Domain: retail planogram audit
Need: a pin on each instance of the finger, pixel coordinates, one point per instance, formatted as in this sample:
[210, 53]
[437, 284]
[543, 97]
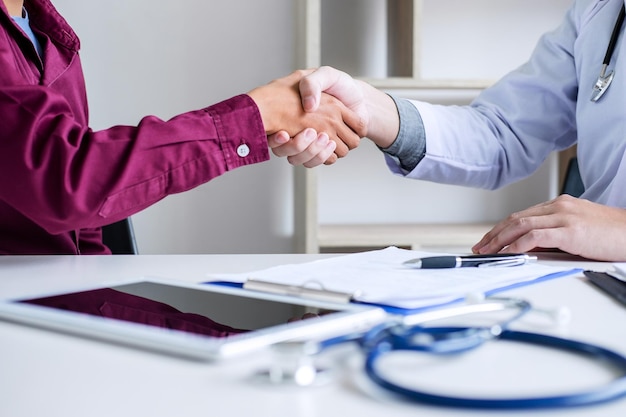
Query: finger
[332, 158]
[510, 221]
[486, 244]
[354, 129]
[548, 238]
[309, 153]
[312, 85]
[278, 139]
[342, 148]
[355, 122]
[323, 156]
[501, 236]
[527, 228]
[350, 139]
[347, 139]
[297, 144]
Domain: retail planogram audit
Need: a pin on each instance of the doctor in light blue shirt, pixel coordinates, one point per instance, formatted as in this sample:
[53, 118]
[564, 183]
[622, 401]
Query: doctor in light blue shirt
[510, 129]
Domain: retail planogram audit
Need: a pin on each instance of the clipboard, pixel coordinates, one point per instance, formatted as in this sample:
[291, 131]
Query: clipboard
[312, 290]
[378, 278]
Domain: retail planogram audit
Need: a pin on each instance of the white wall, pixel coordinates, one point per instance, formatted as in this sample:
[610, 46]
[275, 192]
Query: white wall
[144, 57]
[162, 58]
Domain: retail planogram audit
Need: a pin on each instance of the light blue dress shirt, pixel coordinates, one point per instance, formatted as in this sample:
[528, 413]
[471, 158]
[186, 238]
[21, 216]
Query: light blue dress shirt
[541, 107]
[24, 23]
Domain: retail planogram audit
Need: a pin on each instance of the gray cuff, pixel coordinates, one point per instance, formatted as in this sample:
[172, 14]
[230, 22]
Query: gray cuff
[409, 147]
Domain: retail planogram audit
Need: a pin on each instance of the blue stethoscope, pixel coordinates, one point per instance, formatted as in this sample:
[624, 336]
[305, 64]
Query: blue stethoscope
[454, 340]
[604, 80]
[412, 333]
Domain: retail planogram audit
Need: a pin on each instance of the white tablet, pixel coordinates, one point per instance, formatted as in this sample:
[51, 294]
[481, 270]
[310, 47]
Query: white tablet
[199, 321]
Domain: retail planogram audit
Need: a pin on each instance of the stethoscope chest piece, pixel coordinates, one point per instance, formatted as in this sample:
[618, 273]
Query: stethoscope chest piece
[602, 84]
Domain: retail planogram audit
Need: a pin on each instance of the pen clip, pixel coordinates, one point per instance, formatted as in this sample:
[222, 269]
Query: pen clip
[617, 274]
[504, 263]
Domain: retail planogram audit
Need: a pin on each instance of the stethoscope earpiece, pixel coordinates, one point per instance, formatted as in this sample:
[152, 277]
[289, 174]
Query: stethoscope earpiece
[293, 365]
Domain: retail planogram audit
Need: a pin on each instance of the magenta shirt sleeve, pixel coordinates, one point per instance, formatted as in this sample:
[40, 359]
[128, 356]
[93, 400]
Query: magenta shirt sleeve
[66, 176]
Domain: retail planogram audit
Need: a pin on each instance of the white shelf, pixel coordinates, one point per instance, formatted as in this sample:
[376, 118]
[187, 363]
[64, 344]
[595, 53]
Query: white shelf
[413, 236]
[414, 83]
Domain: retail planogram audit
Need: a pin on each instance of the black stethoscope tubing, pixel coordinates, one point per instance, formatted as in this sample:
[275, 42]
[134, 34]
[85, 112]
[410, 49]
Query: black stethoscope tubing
[604, 79]
[614, 36]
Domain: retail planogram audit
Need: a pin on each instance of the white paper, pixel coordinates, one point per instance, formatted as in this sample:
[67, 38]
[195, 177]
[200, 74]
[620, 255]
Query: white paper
[379, 277]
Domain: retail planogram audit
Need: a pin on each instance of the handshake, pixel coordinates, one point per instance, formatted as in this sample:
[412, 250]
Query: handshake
[316, 116]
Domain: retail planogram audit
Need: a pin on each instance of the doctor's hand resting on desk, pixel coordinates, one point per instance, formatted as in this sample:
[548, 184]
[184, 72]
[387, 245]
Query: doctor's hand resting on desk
[63, 180]
[548, 104]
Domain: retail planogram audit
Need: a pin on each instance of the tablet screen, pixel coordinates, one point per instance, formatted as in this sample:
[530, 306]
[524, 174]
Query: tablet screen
[201, 321]
[208, 313]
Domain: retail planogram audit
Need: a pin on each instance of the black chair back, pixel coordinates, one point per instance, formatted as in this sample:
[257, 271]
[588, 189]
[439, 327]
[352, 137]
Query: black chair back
[573, 183]
[120, 237]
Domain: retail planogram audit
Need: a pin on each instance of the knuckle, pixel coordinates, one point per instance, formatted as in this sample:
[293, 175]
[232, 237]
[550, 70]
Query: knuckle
[517, 221]
[564, 202]
[535, 235]
[341, 152]
[361, 128]
[353, 142]
[514, 218]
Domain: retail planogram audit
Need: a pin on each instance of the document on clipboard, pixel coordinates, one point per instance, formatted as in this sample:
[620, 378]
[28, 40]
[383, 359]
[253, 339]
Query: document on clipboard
[379, 277]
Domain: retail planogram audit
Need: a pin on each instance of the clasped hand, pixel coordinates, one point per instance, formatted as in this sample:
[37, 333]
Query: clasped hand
[317, 127]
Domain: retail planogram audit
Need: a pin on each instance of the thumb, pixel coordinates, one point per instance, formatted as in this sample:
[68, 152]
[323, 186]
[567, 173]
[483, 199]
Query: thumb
[336, 83]
[328, 80]
[311, 87]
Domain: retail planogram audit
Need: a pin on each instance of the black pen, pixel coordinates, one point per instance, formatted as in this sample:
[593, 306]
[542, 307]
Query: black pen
[452, 261]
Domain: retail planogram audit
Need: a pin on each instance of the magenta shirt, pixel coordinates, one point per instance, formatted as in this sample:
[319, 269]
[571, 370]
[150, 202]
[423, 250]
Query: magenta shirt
[61, 181]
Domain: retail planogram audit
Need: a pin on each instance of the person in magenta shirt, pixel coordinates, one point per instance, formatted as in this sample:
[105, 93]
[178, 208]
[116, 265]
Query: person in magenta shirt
[63, 181]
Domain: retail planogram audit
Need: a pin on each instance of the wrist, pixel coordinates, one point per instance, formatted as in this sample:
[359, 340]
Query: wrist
[384, 121]
[263, 104]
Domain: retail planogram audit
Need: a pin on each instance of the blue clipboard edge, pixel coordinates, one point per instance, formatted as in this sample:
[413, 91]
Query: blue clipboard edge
[406, 311]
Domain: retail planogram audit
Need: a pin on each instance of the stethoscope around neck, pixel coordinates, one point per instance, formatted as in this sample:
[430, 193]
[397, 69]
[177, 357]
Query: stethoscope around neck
[604, 79]
[415, 333]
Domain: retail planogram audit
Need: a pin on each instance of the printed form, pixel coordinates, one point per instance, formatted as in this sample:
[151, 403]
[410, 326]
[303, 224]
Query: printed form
[379, 277]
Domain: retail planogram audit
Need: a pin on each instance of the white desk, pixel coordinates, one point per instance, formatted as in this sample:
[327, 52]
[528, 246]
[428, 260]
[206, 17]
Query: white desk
[47, 374]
